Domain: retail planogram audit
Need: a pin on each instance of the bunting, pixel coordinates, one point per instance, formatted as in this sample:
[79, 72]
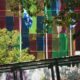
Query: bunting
[33, 35]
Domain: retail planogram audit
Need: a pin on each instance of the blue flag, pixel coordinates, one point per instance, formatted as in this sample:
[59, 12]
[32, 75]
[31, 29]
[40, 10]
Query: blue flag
[58, 4]
[73, 24]
[27, 19]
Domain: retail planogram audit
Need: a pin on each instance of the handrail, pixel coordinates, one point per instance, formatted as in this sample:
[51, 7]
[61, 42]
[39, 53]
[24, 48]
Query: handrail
[40, 62]
[56, 62]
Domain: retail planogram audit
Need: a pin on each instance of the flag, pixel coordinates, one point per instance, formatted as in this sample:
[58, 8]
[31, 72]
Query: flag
[72, 26]
[27, 19]
[33, 44]
[9, 23]
[58, 5]
[2, 13]
[77, 34]
[53, 8]
[49, 45]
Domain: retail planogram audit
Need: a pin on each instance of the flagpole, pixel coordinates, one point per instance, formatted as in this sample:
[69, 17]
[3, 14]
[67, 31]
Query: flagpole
[46, 45]
[70, 42]
[20, 25]
[46, 36]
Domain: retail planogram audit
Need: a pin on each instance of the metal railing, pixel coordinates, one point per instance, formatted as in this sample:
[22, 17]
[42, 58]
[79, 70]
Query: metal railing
[40, 64]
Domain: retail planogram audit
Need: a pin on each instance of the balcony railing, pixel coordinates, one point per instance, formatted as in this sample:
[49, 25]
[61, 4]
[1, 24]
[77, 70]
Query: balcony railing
[50, 63]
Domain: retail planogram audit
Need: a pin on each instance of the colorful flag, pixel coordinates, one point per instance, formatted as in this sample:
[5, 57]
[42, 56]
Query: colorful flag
[9, 23]
[73, 24]
[58, 5]
[27, 19]
[2, 13]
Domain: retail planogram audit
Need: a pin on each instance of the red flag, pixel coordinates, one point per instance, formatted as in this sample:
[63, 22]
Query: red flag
[2, 13]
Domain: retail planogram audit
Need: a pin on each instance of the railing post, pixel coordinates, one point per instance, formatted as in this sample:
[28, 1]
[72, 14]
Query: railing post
[57, 70]
[21, 74]
[52, 71]
[15, 75]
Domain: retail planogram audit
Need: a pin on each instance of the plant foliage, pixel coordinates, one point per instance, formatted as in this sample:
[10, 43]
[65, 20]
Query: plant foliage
[32, 6]
[10, 48]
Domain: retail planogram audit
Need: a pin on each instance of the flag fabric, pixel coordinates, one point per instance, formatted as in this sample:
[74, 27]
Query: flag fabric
[9, 23]
[40, 27]
[25, 35]
[27, 19]
[12, 23]
[16, 23]
[50, 44]
[63, 5]
[33, 26]
[55, 7]
[2, 13]
[58, 5]
[72, 26]
[40, 43]
[77, 38]
[2, 8]
[33, 44]
[2, 22]
[40, 37]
